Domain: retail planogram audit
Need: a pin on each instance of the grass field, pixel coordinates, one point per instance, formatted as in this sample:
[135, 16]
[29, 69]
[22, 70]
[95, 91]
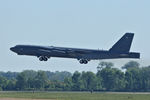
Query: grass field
[74, 96]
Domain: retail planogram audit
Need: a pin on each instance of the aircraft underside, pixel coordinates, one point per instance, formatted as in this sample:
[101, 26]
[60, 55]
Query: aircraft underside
[81, 61]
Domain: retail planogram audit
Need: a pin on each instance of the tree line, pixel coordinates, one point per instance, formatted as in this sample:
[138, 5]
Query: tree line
[107, 78]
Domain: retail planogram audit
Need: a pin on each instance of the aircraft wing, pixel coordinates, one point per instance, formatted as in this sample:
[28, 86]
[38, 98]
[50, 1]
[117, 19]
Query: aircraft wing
[69, 51]
[73, 51]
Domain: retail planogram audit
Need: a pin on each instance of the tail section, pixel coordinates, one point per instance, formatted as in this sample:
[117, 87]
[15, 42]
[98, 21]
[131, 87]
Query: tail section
[124, 44]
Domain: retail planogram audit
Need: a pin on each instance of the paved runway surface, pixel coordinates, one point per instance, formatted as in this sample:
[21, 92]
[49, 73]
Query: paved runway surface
[22, 99]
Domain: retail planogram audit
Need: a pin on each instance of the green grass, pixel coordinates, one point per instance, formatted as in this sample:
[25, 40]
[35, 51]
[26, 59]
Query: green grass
[75, 95]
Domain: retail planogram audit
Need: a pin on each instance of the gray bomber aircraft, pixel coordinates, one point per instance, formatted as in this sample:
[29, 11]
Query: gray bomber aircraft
[119, 50]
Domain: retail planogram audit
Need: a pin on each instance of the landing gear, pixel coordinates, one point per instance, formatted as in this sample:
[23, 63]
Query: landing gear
[83, 61]
[43, 58]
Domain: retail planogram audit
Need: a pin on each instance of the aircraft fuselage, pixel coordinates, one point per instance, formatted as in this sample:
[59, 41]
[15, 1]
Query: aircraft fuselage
[119, 50]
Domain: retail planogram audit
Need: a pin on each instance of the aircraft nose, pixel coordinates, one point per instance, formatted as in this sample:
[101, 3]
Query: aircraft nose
[12, 49]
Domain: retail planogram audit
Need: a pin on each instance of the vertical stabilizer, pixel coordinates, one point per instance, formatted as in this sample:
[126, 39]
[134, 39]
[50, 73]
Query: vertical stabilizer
[123, 45]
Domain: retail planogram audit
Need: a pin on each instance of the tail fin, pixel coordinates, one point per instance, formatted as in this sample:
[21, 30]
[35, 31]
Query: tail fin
[124, 44]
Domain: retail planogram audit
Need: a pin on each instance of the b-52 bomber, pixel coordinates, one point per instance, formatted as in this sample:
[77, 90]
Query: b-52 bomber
[121, 49]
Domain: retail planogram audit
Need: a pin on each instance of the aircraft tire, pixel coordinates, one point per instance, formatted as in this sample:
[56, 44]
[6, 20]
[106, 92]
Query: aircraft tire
[83, 61]
[45, 58]
[41, 58]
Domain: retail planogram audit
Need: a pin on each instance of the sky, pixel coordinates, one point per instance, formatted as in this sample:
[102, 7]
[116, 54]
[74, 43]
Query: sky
[92, 24]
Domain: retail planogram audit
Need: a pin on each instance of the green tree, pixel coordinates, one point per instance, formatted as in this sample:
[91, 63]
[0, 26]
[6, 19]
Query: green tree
[40, 80]
[112, 79]
[89, 81]
[99, 80]
[133, 79]
[131, 64]
[76, 79]
[21, 83]
[3, 83]
[11, 85]
[68, 83]
[103, 64]
[145, 77]
[30, 76]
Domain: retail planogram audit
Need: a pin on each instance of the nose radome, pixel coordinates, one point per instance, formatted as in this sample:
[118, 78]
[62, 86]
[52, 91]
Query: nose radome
[12, 49]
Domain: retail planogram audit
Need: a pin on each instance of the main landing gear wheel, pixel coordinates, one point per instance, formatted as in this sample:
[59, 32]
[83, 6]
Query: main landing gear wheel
[83, 61]
[42, 58]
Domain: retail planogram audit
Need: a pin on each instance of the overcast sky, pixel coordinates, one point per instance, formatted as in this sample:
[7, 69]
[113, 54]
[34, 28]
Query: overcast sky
[92, 24]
